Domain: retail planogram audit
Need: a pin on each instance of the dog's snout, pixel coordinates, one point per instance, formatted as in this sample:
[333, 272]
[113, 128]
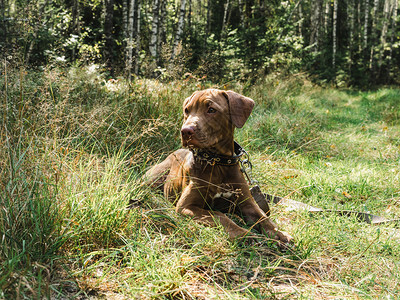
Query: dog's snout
[187, 132]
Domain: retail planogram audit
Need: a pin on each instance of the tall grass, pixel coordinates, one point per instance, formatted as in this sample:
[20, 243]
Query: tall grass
[73, 145]
[30, 222]
[74, 148]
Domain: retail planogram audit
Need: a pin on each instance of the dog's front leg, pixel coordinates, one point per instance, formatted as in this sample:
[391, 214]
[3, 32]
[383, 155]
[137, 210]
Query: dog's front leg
[254, 214]
[191, 203]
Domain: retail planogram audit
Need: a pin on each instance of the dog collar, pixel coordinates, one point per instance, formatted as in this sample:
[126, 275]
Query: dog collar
[218, 159]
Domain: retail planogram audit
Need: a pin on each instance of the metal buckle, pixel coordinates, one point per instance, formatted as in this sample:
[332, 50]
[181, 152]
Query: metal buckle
[246, 167]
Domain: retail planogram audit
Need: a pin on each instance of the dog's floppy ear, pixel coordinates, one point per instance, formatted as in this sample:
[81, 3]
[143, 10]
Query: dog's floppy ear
[240, 108]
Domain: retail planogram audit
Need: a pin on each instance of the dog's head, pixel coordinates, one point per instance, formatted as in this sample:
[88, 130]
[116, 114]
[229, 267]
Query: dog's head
[210, 117]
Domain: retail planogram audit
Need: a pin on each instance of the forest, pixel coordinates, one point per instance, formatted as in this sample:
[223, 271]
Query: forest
[346, 42]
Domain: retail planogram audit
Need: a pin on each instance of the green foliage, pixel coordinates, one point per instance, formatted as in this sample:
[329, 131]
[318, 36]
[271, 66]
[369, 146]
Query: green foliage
[222, 40]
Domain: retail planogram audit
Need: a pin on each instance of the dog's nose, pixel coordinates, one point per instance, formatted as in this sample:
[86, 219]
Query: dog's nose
[187, 132]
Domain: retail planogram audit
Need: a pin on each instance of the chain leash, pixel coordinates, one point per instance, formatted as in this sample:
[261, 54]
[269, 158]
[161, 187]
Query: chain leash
[247, 167]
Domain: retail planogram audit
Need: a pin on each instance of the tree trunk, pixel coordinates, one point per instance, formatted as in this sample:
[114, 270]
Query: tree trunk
[75, 24]
[190, 14]
[162, 32]
[125, 13]
[334, 34]
[350, 13]
[327, 16]
[179, 31]
[373, 35]
[241, 13]
[226, 8]
[130, 43]
[366, 14]
[315, 24]
[300, 21]
[108, 31]
[384, 32]
[359, 26]
[208, 24]
[154, 30]
[393, 33]
[138, 28]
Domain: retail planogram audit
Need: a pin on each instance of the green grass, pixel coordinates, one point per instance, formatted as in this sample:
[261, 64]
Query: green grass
[74, 148]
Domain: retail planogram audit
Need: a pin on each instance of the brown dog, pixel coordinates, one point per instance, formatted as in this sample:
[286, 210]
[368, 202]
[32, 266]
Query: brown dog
[206, 179]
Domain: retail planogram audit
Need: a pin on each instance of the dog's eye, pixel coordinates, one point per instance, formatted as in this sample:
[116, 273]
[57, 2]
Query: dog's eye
[186, 111]
[211, 110]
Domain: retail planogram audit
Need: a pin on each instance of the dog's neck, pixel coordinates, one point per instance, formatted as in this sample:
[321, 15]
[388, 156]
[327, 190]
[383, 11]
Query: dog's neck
[215, 158]
[225, 148]
[226, 145]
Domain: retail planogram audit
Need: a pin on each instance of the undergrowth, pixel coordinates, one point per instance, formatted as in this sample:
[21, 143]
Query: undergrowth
[76, 220]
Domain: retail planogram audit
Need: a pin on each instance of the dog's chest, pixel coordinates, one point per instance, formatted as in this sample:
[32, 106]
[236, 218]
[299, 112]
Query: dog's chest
[223, 198]
[216, 182]
[223, 195]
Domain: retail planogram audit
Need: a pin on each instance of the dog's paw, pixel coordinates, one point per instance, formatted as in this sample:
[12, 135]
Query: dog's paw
[283, 239]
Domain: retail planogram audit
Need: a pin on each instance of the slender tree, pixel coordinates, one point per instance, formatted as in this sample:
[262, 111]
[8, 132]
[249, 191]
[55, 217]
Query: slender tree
[179, 31]
[190, 14]
[154, 29]
[226, 8]
[393, 29]
[125, 12]
[130, 43]
[350, 13]
[108, 33]
[358, 26]
[138, 33]
[76, 28]
[315, 23]
[208, 23]
[373, 34]
[327, 16]
[366, 15]
[384, 32]
[300, 21]
[162, 31]
[241, 13]
[334, 33]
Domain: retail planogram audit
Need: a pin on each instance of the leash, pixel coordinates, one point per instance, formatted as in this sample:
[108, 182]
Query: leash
[263, 200]
[247, 167]
[366, 217]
